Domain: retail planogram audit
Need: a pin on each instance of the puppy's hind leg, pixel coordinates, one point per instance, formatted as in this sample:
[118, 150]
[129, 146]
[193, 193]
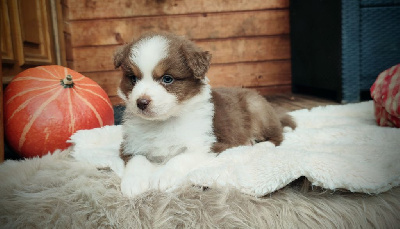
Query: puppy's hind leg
[287, 120]
[265, 122]
[273, 134]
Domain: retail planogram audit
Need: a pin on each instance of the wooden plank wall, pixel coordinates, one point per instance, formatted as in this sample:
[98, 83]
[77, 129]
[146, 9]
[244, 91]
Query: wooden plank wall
[249, 40]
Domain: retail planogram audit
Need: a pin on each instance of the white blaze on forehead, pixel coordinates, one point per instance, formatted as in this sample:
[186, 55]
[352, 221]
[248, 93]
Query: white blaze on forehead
[148, 52]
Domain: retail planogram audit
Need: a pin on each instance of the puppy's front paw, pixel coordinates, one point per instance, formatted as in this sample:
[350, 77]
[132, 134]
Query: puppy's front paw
[136, 178]
[134, 186]
[166, 179]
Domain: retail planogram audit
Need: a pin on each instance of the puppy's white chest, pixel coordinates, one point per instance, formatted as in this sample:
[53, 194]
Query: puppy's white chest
[191, 131]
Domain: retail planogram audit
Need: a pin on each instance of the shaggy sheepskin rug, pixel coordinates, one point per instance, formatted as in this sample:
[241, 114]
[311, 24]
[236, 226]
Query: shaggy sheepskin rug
[335, 147]
[59, 191]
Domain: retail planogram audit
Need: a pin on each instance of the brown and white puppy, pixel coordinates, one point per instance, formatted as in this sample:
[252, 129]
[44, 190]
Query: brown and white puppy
[174, 120]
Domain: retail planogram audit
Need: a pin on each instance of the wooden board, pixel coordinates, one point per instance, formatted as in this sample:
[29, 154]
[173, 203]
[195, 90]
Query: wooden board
[275, 89]
[94, 9]
[252, 74]
[248, 49]
[100, 58]
[108, 80]
[116, 101]
[207, 26]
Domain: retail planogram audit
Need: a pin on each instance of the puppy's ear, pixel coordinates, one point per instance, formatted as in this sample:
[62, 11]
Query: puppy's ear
[197, 60]
[120, 54]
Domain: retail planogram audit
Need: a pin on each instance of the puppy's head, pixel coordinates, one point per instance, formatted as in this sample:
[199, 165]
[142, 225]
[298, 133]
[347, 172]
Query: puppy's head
[160, 72]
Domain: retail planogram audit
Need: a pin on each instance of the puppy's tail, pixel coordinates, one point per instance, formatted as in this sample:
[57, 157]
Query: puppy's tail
[287, 120]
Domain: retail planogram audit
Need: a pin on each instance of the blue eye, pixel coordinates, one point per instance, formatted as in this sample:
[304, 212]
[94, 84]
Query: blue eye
[133, 79]
[167, 79]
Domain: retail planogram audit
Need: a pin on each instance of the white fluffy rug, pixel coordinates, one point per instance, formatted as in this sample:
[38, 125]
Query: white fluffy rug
[335, 147]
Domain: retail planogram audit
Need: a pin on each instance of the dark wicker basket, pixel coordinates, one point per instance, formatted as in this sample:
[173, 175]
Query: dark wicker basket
[340, 47]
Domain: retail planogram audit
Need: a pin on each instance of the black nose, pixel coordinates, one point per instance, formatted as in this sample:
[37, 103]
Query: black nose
[142, 103]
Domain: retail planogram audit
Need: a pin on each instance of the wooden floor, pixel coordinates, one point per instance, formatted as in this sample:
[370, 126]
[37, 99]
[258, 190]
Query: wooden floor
[292, 102]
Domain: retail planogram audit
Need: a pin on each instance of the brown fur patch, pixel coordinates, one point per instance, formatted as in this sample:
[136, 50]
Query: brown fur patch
[124, 157]
[121, 54]
[129, 71]
[243, 116]
[185, 86]
[287, 120]
[122, 154]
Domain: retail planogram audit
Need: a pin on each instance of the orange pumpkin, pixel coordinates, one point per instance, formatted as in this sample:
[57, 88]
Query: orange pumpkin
[44, 106]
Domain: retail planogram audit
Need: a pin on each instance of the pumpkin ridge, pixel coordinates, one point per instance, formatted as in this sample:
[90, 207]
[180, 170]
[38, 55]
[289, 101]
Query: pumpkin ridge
[71, 127]
[34, 117]
[23, 105]
[30, 90]
[79, 79]
[34, 78]
[50, 73]
[89, 85]
[91, 107]
[96, 94]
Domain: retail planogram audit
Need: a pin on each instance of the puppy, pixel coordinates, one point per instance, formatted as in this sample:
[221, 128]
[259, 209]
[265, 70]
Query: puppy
[174, 120]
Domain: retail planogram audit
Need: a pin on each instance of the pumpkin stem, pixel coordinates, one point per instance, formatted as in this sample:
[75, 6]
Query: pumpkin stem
[67, 82]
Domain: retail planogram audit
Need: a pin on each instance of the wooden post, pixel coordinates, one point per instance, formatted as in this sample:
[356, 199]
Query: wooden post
[1, 113]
